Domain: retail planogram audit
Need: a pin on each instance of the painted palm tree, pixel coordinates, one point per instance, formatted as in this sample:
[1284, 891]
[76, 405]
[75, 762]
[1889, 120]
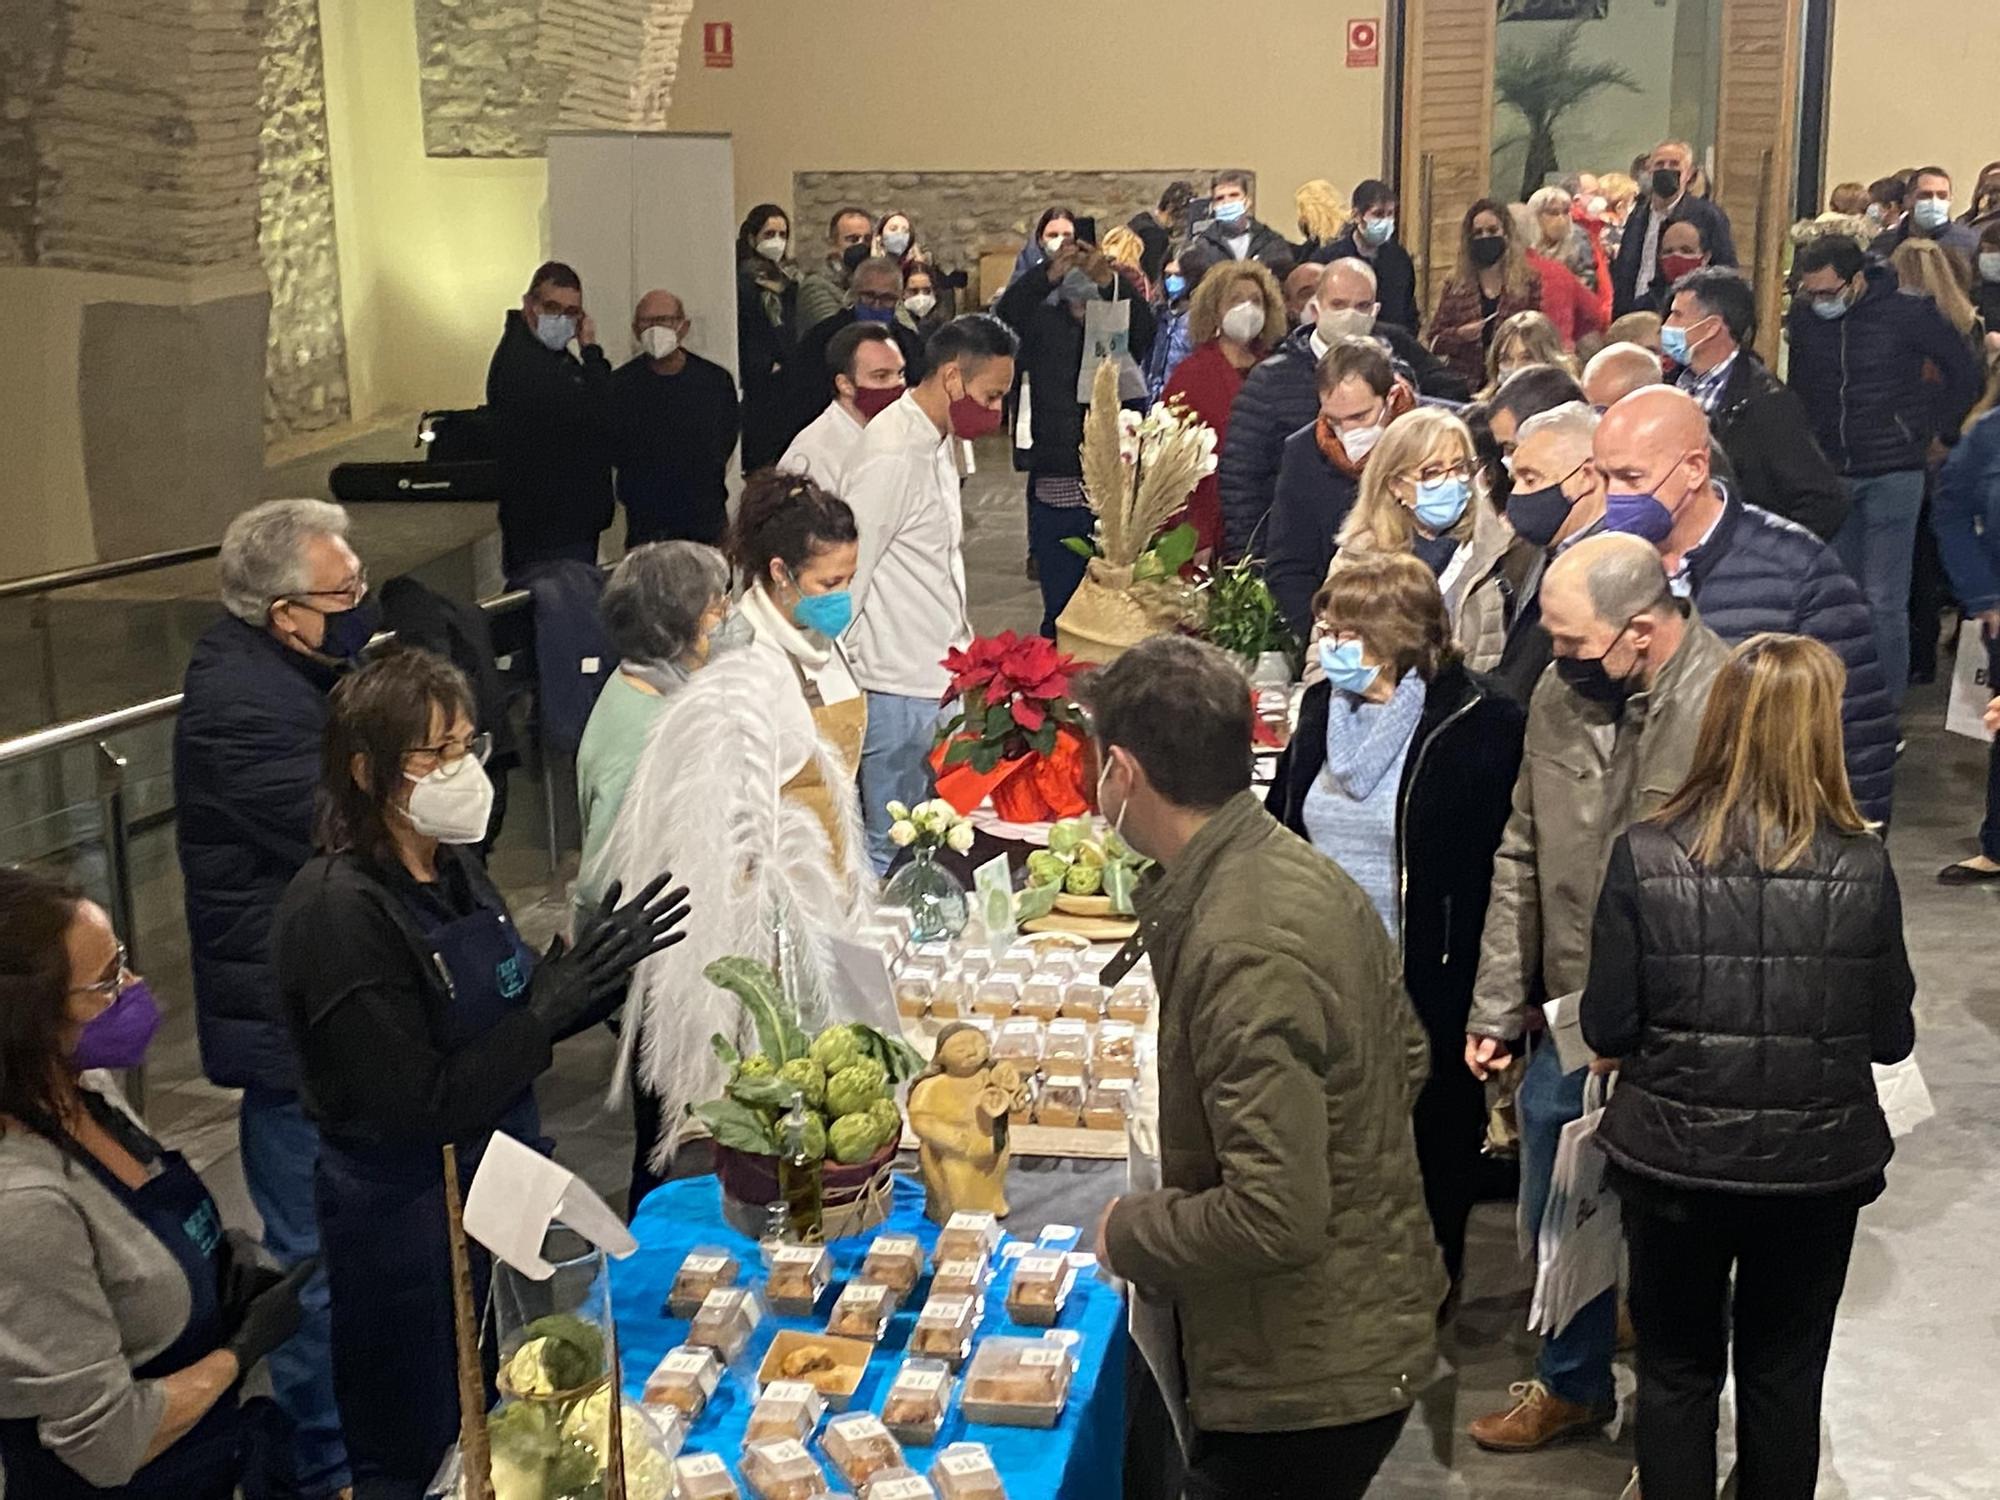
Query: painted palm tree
[1545, 82]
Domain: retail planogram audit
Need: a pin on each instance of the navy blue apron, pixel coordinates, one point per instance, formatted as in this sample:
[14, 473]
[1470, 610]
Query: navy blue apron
[207, 1461]
[382, 1231]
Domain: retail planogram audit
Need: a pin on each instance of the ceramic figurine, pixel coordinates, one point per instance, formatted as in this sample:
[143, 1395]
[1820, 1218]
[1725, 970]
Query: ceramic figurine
[958, 1109]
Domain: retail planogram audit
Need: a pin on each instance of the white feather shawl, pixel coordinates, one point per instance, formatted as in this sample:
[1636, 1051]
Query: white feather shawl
[705, 802]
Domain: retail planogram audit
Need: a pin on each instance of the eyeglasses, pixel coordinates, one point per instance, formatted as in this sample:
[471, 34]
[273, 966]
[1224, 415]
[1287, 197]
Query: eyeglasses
[349, 594]
[454, 753]
[880, 301]
[1432, 473]
[109, 988]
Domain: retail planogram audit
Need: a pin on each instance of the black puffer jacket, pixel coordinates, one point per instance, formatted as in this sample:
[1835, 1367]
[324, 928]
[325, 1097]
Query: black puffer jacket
[1279, 396]
[1746, 1006]
[1763, 429]
[1050, 356]
[1760, 572]
[1862, 377]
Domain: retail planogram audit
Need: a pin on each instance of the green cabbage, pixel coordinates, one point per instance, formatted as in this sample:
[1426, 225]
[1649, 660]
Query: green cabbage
[855, 1138]
[810, 1079]
[855, 1087]
[835, 1048]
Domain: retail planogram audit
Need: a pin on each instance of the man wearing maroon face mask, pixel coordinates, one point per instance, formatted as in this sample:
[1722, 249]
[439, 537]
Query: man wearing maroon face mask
[909, 587]
[867, 366]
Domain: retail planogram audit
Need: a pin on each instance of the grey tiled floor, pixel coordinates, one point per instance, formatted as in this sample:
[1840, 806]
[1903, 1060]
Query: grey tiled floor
[1909, 1394]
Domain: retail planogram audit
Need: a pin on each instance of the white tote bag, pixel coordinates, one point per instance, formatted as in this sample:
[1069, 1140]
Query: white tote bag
[1580, 1247]
[1970, 691]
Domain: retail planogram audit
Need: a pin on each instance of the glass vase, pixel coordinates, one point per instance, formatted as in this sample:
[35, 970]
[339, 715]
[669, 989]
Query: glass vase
[931, 894]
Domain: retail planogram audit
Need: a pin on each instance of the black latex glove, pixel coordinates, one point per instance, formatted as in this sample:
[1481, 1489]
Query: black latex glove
[270, 1317]
[242, 1275]
[576, 988]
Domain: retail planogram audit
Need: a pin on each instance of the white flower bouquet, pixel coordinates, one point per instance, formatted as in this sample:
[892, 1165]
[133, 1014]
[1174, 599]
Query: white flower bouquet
[930, 825]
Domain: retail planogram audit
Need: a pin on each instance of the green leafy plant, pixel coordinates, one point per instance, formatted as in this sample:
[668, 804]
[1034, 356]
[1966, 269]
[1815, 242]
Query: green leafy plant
[1243, 617]
[1542, 84]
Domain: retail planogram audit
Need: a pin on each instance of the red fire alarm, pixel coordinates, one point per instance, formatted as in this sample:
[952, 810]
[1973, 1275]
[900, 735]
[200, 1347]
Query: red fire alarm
[1364, 44]
[718, 44]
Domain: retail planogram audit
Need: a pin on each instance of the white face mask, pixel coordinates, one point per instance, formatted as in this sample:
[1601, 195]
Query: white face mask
[1052, 246]
[1360, 441]
[1346, 322]
[659, 342]
[919, 303]
[453, 803]
[896, 241]
[1117, 823]
[1244, 321]
[772, 247]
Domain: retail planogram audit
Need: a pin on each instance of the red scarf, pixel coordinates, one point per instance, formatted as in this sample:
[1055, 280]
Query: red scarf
[1332, 449]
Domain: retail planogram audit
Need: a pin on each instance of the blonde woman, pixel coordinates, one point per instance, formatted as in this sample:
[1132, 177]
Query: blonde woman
[1125, 250]
[1747, 964]
[1491, 282]
[1418, 496]
[1235, 318]
[1323, 216]
[1527, 338]
[1619, 193]
[1926, 266]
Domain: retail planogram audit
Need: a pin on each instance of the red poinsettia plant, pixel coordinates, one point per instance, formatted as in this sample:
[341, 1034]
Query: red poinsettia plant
[1013, 697]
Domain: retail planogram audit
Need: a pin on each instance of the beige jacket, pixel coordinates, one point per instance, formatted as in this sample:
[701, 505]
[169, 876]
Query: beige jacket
[1479, 594]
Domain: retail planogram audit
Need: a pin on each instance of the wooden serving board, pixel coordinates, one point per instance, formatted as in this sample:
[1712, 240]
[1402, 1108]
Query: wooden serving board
[1105, 929]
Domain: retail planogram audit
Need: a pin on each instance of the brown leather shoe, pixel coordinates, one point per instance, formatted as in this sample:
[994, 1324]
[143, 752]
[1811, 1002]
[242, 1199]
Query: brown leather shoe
[1537, 1418]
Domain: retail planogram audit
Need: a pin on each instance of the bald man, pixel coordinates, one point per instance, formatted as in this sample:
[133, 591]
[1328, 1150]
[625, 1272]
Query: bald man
[674, 419]
[1617, 370]
[1301, 285]
[1749, 570]
[1611, 731]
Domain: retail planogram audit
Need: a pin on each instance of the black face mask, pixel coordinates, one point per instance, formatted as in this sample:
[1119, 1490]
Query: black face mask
[1489, 250]
[1666, 181]
[1587, 678]
[1537, 515]
[854, 254]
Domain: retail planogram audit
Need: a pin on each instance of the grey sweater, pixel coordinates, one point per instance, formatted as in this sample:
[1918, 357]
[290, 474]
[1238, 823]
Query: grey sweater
[86, 1296]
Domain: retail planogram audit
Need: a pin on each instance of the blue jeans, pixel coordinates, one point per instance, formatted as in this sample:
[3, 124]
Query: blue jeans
[1576, 1363]
[1876, 544]
[1058, 569]
[895, 764]
[280, 1146]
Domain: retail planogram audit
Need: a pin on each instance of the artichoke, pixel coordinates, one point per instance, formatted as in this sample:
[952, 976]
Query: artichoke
[835, 1048]
[1066, 835]
[1089, 853]
[756, 1066]
[855, 1138]
[1083, 879]
[855, 1087]
[813, 1138]
[1045, 868]
[810, 1078]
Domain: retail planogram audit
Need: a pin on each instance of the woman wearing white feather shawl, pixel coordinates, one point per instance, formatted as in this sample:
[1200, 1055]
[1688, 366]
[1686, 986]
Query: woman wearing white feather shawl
[748, 779]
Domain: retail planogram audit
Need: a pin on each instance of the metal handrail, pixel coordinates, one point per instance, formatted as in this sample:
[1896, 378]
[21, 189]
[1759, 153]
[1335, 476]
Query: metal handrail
[124, 567]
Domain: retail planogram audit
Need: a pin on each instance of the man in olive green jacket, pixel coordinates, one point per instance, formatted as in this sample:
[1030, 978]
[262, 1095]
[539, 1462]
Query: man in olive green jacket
[1290, 1236]
[1611, 732]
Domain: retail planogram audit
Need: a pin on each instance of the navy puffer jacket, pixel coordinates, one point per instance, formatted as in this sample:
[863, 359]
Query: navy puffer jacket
[1862, 377]
[246, 765]
[1760, 572]
[1279, 396]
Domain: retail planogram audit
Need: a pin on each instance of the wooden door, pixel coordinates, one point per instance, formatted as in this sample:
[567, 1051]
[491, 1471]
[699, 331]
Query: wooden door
[1447, 135]
[1756, 143]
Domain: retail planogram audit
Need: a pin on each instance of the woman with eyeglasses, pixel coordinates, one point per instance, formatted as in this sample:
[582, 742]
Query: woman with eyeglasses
[128, 1316]
[1418, 495]
[421, 1020]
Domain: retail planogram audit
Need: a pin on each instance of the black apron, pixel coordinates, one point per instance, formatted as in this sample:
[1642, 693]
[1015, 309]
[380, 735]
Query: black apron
[382, 1231]
[207, 1461]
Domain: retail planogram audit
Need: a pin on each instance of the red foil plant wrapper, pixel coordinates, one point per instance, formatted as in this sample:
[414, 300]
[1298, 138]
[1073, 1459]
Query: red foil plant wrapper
[1017, 736]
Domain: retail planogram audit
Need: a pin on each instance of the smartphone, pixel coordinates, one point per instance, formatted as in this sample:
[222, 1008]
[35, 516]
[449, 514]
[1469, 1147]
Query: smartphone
[1086, 229]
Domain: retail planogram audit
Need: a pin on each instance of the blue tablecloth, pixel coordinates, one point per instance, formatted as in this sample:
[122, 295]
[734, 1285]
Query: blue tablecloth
[1080, 1460]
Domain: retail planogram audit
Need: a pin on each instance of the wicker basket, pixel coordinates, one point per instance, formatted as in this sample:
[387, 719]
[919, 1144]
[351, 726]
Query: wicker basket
[854, 1199]
[1105, 618]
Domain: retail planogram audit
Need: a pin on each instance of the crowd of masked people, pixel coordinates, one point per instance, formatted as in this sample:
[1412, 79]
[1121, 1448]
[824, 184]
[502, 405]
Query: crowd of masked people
[1604, 666]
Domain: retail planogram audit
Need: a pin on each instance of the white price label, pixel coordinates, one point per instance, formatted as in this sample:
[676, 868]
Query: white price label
[946, 1310]
[789, 1393]
[859, 1428]
[958, 1270]
[965, 1465]
[921, 1380]
[797, 1255]
[1036, 1266]
[705, 1265]
[914, 1487]
[973, 1221]
[700, 1466]
[1042, 1359]
[896, 1244]
[688, 1364]
[865, 1293]
[786, 1451]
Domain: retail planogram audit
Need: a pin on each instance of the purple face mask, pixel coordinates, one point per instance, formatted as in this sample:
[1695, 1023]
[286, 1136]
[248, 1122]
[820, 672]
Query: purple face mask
[118, 1035]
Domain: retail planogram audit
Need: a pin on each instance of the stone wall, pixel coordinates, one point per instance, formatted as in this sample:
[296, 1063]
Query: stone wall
[305, 367]
[962, 215]
[31, 42]
[498, 75]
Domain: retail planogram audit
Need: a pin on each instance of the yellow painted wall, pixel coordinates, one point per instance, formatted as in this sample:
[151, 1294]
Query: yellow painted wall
[816, 86]
[1913, 85]
[433, 250]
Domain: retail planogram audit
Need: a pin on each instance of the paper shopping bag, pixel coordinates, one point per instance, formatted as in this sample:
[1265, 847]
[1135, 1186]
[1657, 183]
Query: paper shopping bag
[1107, 334]
[1970, 689]
[1580, 1244]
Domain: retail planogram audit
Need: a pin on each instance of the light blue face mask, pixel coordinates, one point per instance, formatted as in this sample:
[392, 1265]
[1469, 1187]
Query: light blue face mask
[1440, 502]
[1231, 211]
[555, 333]
[1832, 310]
[1344, 668]
[1377, 231]
[829, 614]
[1931, 213]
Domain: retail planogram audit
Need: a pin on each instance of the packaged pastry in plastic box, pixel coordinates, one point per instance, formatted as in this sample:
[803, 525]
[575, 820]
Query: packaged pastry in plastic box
[974, 962]
[968, 1236]
[1082, 1001]
[862, 1310]
[1060, 1102]
[901, 1484]
[833, 1366]
[683, 1381]
[952, 998]
[786, 1409]
[725, 1321]
[1067, 1041]
[1107, 1105]
[945, 1328]
[965, 1471]
[1041, 996]
[799, 1274]
[1040, 1285]
[1132, 1001]
[898, 917]
[859, 1447]
[1014, 965]
[705, 1269]
[914, 986]
[1018, 1382]
[783, 1470]
[895, 1261]
[996, 996]
[1019, 1041]
[703, 1476]
[1115, 1053]
[1059, 963]
[918, 1397]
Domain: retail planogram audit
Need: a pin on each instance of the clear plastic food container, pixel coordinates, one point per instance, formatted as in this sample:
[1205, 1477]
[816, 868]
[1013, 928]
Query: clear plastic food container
[703, 1476]
[859, 1447]
[725, 1322]
[862, 1311]
[952, 999]
[706, 1269]
[965, 1471]
[683, 1381]
[1108, 1104]
[996, 996]
[799, 1274]
[787, 1409]
[1082, 1001]
[1018, 1382]
[968, 1236]
[1060, 1102]
[1058, 963]
[914, 986]
[974, 962]
[1116, 1053]
[901, 1484]
[895, 1261]
[1039, 1287]
[1068, 1041]
[783, 1470]
[1041, 996]
[914, 1408]
[945, 1328]
[1131, 1001]
[1019, 1041]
